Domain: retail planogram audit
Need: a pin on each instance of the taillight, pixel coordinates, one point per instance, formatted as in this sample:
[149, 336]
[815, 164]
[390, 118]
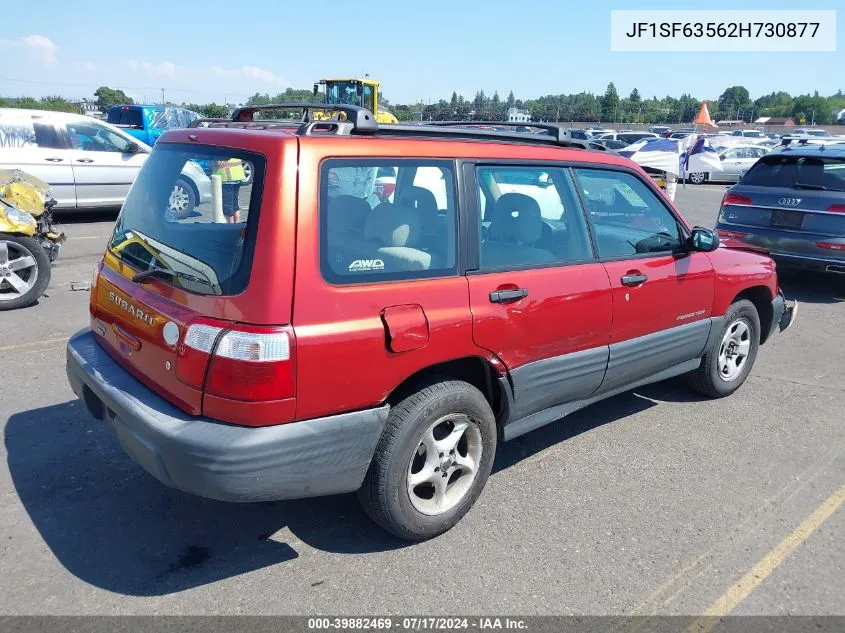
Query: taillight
[244, 362]
[831, 246]
[836, 208]
[736, 199]
[734, 234]
[195, 351]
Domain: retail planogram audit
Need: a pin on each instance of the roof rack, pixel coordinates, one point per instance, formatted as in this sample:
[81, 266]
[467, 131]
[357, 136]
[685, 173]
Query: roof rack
[361, 121]
[558, 132]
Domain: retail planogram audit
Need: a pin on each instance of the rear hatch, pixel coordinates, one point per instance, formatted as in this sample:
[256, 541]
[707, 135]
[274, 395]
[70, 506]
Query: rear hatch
[792, 203]
[178, 301]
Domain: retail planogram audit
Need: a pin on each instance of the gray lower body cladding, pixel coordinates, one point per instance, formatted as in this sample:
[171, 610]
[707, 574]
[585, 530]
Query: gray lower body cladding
[547, 390]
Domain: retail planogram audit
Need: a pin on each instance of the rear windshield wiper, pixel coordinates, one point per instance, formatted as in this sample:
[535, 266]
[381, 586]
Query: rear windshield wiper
[164, 272]
[806, 185]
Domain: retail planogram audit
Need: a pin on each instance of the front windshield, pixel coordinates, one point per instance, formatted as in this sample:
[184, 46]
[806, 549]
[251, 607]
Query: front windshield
[342, 92]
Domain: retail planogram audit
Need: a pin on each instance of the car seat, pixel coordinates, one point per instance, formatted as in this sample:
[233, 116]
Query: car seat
[395, 230]
[515, 227]
[432, 235]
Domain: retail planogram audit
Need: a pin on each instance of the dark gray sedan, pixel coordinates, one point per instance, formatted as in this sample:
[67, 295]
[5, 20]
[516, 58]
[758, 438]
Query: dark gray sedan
[792, 203]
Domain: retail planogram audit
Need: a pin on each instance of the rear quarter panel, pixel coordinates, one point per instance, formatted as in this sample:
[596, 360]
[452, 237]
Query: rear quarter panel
[343, 360]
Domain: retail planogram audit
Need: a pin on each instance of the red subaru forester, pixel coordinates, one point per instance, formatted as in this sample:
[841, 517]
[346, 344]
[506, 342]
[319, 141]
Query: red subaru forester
[307, 332]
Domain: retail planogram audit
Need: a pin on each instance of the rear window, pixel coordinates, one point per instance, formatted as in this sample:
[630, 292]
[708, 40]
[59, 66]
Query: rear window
[384, 220]
[810, 172]
[131, 118]
[175, 219]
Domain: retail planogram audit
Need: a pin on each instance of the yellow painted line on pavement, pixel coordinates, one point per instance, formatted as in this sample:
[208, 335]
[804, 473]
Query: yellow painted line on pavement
[768, 564]
[46, 341]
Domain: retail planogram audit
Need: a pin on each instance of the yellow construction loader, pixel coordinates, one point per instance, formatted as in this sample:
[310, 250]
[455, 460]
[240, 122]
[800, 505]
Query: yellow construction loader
[358, 92]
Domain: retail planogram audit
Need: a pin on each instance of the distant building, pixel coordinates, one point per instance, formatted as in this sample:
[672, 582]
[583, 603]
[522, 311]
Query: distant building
[730, 122]
[772, 121]
[89, 107]
[518, 116]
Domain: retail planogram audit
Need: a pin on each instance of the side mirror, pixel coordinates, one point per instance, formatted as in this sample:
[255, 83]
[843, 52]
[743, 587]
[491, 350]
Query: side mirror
[704, 240]
[132, 147]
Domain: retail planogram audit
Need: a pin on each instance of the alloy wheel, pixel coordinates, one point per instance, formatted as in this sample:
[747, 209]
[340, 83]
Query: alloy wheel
[18, 270]
[179, 200]
[445, 464]
[733, 352]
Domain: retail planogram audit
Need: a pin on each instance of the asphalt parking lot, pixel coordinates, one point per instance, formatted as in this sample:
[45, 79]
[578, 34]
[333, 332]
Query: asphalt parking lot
[654, 502]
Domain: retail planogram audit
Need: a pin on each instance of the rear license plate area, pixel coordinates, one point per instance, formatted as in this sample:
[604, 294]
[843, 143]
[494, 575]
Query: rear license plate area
[787, 219]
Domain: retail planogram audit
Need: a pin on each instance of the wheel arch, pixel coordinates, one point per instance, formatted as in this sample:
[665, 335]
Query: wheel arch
[478, 371]
[761, 297]
[190, 182]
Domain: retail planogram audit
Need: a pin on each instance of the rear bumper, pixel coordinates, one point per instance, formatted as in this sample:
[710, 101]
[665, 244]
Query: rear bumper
[795, 250]
[806, 262]
[220, 461]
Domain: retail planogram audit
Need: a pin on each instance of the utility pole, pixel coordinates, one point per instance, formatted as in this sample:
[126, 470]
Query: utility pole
[162, 97]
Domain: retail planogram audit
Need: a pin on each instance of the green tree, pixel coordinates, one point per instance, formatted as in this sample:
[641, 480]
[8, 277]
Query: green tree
[733, 101]
[214, 111]
[496, 112]
[609, 103]
[635, 96]
[108, 97]
[511, 100]
[454, 101]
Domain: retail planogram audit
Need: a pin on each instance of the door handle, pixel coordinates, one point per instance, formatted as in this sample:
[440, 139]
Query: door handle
[634, 279]
[508, 296]
[84, 160]
[54, 159]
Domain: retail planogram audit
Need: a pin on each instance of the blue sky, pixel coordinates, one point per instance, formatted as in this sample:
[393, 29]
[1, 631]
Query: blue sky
[418, 50]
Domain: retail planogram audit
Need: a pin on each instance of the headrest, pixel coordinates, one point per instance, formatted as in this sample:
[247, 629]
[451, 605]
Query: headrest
[516, 217]
[425, 204]
[347, 214]
[393, 225]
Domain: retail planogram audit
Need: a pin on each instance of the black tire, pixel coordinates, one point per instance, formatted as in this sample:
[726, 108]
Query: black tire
[16, 246]
[384, 494]
[187, 199]
[707, 379]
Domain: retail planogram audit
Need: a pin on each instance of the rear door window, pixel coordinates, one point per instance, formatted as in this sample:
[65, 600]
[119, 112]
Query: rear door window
[46, 135]
[208, 251]
[387, 219]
